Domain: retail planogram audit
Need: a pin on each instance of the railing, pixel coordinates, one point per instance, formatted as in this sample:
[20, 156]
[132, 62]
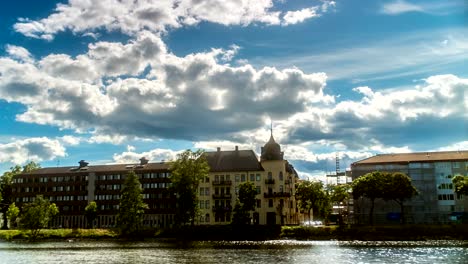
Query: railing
[222, 208]
[222, 182]
[269, 181]
[276, 194]
[222, 196]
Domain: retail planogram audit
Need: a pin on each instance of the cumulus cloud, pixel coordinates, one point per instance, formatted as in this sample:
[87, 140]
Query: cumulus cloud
[294, 17]
[155, 155]
[181, 97]
[19, 53]
[429, 7]
[131, 17]
[31, 149]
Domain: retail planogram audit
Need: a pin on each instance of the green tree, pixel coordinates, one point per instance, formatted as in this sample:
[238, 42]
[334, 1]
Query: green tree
[132, 207]
[91, 213]
[244, 203]
[186, 173]
[37, 215]
[12, 214]
[339, 195]
[5, 187]
[311, 196]
[461, 184]
[398, 187]
[371, 186]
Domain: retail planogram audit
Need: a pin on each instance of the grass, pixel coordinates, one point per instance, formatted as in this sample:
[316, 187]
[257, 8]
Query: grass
[59, 234]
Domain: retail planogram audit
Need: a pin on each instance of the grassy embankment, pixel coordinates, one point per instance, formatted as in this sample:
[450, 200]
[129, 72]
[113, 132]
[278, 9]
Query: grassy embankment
[364, 233]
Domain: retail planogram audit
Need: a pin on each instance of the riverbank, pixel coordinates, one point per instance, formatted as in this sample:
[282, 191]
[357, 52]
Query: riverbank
[260, 233]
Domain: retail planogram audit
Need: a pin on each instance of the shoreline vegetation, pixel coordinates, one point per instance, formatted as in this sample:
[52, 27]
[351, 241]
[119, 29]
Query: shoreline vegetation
[256, 233]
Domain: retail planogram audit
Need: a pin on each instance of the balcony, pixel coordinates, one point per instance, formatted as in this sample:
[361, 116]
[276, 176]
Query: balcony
[217, 183]
[269, 181]
[222, 209]
[222, 196]
[277, 194]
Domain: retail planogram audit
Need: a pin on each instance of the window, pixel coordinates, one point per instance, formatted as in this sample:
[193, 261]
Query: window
[270, 203]
[258, 189]
[237, 177]
[456, 165]
[259, 203]
[207, 191]
[216, 178]
[243, 178]
[257, 176]
[202, 191]
[252, 177]
[281, 188]
[202, 204]
[236, 190]
[270, 175]
[280, 175]
[207, 218]
[207, 204]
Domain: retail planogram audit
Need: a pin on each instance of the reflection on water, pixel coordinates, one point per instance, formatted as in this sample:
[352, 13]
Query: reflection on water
[277, 251]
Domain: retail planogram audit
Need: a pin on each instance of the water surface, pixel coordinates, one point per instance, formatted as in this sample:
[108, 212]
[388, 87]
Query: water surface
[277, 251]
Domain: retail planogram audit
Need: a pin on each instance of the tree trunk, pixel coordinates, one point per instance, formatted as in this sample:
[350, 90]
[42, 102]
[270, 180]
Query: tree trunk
[5, 219]
[371, 213]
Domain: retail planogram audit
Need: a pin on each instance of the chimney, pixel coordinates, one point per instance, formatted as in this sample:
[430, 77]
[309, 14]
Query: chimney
[218, 149]
[83, 163]
[237, 148]
[143, 161]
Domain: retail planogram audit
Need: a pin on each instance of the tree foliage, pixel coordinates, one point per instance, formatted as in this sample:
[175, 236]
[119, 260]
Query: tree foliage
[398, 187]
[132, 207]
[311, 196]
[5, 187]
[91, 213]
[12, 214]
[371, 186]
[385, 185]
[244, 203]
[37, 215]
[339, 195]
[186, 173]
[461, 184]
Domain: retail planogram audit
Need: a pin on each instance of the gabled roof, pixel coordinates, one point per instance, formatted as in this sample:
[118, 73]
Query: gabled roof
[235, 160]
[416, 157]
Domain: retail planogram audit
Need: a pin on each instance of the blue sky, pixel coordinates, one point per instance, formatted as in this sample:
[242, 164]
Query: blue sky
[111, 81]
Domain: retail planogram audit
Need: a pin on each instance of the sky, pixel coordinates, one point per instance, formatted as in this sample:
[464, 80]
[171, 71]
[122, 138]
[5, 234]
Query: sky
[110, 81]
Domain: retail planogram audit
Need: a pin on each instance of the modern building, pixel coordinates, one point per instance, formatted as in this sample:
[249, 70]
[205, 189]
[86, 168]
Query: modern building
[72, 188]
[431, 173]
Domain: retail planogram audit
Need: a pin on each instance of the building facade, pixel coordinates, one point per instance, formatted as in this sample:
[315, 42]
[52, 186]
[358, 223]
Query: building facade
[431, 173]
[72, 188]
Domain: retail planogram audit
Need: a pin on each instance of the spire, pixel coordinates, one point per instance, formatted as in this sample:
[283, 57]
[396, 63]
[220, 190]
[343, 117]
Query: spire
[271, 127]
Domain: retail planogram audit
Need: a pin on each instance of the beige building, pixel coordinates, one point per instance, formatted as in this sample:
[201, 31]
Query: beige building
[273, 177]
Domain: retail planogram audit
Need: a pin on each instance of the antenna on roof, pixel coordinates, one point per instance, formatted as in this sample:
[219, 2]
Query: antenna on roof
[271, 127]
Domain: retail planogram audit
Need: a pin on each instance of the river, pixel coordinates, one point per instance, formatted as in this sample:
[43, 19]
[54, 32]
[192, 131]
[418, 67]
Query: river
[277, 251]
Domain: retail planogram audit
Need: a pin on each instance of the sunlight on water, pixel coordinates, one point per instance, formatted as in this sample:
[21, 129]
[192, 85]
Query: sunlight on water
[229, 252]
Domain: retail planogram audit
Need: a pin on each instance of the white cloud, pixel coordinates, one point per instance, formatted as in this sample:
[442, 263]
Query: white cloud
[70, 140]
[433, 7]
[399, 6]
[416, 53]
[154, 155]
[462, 145]
[131, 17]
[31, 149]
[294, 17]
[19, 53]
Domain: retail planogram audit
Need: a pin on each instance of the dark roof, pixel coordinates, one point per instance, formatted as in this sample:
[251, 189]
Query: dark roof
[416, 157]
[271, 150]
[235, 160]
[101, 168]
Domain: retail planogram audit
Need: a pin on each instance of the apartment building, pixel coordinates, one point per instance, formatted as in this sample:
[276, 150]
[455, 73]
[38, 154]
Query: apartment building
[431, 173]
[72, 188]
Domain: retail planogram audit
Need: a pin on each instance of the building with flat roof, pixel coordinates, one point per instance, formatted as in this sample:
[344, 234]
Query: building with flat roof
[431, 173]
[72, 188]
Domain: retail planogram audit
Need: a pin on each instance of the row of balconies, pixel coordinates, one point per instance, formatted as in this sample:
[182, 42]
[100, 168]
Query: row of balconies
[276, 194]
[221, 209]
[267, 181]
[222, 196]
